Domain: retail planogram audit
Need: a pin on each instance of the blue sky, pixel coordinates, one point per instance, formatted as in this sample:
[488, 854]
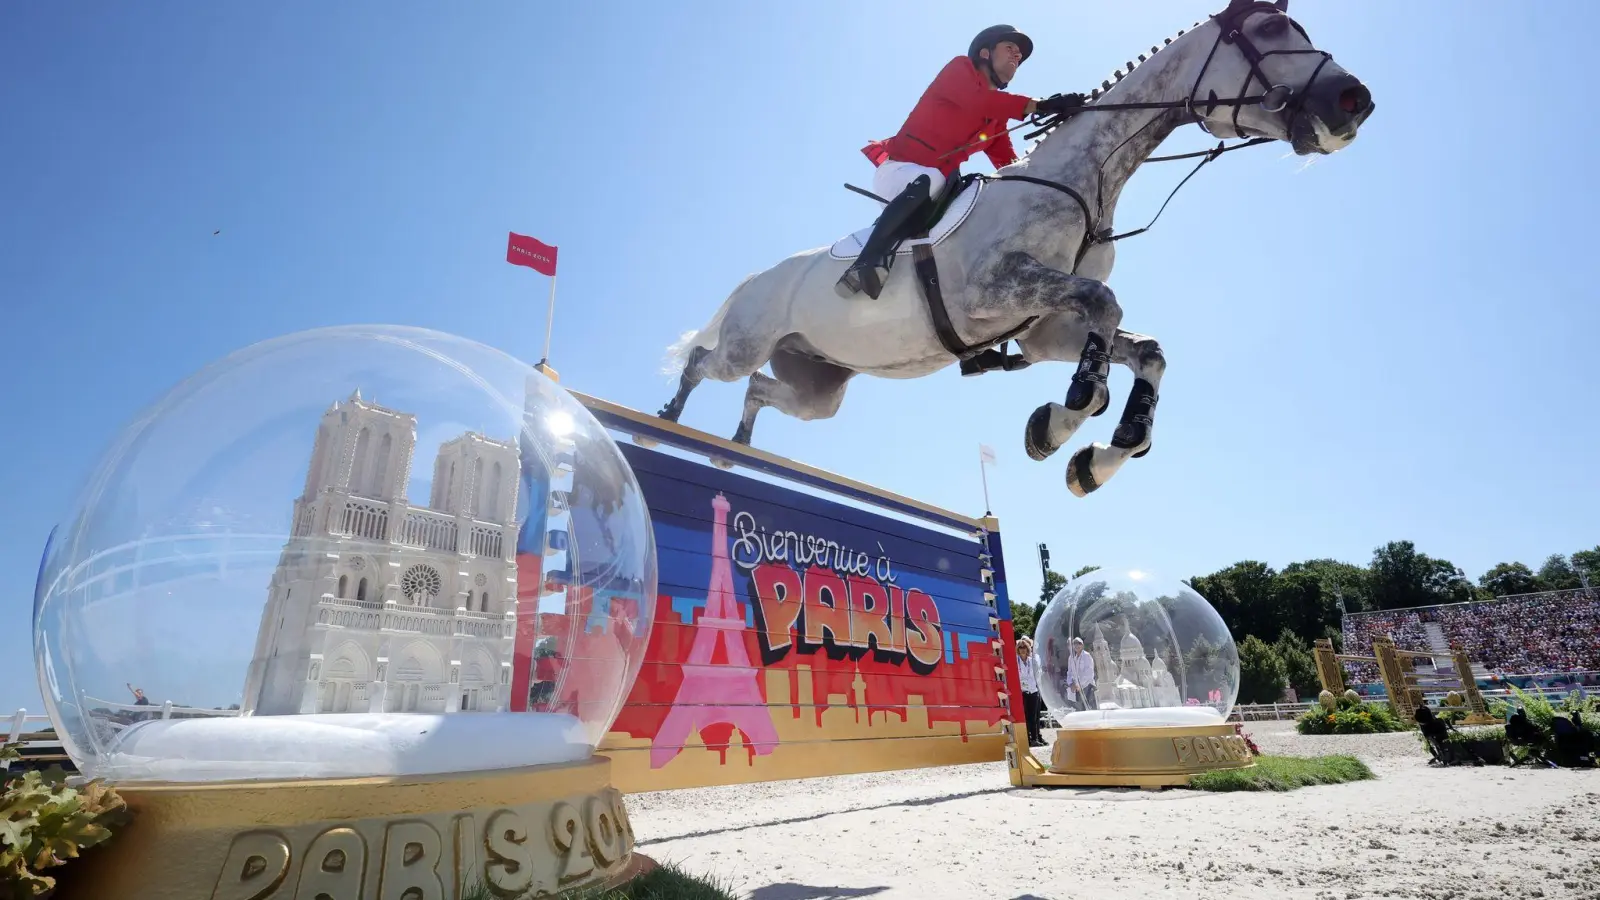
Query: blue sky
[1391, 343]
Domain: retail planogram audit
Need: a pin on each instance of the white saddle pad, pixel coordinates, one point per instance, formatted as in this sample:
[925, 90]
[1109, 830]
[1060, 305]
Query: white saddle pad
[850, 246]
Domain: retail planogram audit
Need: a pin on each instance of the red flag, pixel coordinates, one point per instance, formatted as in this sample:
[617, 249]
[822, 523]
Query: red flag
[522, 250]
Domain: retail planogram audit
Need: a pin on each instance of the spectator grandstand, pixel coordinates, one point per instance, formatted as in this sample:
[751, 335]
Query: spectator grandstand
[1551, 631]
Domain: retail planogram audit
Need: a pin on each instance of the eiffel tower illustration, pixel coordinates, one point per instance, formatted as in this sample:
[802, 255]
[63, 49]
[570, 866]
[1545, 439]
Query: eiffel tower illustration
[716, 695]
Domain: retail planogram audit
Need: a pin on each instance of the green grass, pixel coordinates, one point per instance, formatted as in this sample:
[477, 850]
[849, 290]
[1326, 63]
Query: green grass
[1284, 773]
[665, 882]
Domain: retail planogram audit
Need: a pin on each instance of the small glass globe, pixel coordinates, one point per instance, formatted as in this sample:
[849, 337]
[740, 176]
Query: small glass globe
[352, 551]
[1124, 647]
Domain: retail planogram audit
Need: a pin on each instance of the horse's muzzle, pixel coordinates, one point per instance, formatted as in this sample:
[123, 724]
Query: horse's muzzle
[1339, 106]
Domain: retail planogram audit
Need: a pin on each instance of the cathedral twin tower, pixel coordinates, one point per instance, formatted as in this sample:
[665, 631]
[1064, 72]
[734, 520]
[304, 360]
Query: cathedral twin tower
[380, 606]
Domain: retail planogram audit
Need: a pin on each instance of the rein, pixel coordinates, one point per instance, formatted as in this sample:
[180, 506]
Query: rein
[1230, 21]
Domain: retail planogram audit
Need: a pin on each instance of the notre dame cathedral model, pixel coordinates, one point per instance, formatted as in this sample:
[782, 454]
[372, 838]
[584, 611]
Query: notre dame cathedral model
[380, 606]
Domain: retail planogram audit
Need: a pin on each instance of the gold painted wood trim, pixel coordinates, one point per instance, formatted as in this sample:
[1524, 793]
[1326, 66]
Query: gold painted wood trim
[273, 802]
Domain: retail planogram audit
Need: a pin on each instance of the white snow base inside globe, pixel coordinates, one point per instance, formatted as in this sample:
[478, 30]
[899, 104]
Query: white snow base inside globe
[341, 745]
[1180, 716]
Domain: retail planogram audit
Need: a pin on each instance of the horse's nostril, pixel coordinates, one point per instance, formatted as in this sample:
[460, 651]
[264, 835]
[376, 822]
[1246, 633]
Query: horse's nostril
[1354, 100]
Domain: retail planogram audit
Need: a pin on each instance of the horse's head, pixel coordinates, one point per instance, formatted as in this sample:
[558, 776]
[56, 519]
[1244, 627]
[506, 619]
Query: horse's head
[1307, 98]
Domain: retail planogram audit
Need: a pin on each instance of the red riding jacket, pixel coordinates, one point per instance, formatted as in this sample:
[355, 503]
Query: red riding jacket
[959, 108]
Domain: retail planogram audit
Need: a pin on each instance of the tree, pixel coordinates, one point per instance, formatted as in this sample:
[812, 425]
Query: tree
[1243, 594]
[1586, 564]
[1084, 571]
[1340, 580]
[1299, 667]
[1446, 581]
[1262, 673]
[1025, 618]
[1053, 583]
[1558, 575]
[1402, 577]
[1509, 578]
[1304, 603]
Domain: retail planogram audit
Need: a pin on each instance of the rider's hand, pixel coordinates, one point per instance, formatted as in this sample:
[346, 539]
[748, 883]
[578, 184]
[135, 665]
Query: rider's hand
[1059, 103]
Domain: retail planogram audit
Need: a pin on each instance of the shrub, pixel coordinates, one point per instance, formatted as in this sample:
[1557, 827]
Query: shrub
[1349, 717]
[44, 823]
[1542, 715]
[1262, 673]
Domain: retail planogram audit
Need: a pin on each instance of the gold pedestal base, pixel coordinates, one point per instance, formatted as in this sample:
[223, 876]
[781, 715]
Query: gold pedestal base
[1149, 758]
[443, 837]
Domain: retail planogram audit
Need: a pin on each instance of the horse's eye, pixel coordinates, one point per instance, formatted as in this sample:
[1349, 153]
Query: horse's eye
[1274, 27]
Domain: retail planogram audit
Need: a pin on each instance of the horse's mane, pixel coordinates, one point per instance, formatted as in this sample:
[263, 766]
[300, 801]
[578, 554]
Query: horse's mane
[1116, 76]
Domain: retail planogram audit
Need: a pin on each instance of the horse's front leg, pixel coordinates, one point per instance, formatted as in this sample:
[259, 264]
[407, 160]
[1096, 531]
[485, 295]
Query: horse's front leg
[1092, 466]
[1024, 286]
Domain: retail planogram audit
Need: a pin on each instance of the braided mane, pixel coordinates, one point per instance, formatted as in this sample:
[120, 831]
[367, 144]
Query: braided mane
[1116, 76]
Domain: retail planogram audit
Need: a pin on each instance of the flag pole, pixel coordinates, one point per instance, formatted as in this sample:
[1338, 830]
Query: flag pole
[549, 323]
[983, 471]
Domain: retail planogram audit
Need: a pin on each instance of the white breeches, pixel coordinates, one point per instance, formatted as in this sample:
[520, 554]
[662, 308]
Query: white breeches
[892, 177]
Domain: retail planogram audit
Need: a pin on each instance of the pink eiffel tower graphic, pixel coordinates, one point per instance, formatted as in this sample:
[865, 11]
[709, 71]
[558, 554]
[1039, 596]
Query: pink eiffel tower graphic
[716, 695]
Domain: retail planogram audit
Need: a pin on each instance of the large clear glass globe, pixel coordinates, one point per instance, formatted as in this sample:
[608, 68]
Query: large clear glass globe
[352, 551]
[1126, 647]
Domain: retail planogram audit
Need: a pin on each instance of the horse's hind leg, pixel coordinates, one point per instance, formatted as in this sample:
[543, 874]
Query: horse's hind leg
[804, 388]
[1092, 466]
[691, 377]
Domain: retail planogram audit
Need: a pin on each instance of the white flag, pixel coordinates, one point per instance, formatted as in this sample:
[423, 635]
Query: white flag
[986, 453]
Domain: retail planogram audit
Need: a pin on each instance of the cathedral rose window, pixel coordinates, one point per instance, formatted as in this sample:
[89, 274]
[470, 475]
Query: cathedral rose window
[420, 579]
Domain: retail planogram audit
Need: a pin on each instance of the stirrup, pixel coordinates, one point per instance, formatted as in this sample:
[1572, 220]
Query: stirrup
[860, 278]
[991, 360]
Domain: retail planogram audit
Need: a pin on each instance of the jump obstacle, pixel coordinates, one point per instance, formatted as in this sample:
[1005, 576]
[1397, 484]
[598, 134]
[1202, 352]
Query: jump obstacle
[894, 651]
[1403, 684]
[797, 635]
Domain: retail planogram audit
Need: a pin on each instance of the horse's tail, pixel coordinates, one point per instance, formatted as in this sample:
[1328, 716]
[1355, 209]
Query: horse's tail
[678, 353]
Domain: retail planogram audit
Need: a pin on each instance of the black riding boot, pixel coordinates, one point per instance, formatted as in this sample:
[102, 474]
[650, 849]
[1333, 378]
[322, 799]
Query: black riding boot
[870, 269]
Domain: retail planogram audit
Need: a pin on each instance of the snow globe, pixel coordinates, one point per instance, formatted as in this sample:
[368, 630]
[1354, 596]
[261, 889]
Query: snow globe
[326, 574]
[1140, 674]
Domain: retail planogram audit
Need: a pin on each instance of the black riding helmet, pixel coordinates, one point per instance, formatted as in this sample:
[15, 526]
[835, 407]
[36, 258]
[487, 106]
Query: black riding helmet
[994, 34]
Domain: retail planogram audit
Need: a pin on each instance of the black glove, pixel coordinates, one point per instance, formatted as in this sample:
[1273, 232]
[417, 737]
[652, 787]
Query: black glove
[1058, 103]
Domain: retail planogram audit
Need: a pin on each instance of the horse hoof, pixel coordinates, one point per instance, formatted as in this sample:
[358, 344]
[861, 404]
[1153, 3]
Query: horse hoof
[1080, 473]
[1036, 437]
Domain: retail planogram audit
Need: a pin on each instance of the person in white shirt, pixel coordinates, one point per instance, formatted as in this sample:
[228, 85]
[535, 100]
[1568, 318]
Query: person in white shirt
[1032, 705]
[1080, 677]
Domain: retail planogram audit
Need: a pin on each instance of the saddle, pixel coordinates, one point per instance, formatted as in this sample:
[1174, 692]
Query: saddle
[924, 230]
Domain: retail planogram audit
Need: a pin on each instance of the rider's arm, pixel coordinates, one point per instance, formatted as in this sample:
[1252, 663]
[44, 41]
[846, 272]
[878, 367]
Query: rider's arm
[957, 84]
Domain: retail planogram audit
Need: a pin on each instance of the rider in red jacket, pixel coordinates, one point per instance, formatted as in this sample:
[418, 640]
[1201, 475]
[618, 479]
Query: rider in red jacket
[963, 111]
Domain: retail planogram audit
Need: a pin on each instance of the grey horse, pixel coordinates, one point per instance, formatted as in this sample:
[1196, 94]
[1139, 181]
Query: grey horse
[1031, 258]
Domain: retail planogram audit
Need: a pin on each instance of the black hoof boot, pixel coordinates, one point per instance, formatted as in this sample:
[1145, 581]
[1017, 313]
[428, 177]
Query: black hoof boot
[1089, 382]
[742, 434]
[1138, 419]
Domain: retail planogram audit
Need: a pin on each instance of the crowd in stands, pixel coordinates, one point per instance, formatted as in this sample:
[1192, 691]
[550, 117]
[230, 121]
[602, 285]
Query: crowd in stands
[1554, 631]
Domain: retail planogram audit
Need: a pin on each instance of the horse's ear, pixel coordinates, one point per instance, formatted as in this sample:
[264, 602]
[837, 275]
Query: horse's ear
[1282, 4]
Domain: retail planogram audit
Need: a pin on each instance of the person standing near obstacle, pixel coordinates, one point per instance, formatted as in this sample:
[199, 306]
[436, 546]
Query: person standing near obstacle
[1032, 706]
[963, 111]
[1080, 677]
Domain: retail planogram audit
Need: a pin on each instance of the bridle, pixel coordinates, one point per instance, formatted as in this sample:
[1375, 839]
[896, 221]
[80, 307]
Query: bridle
[1277, 98]
[1232, 32]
